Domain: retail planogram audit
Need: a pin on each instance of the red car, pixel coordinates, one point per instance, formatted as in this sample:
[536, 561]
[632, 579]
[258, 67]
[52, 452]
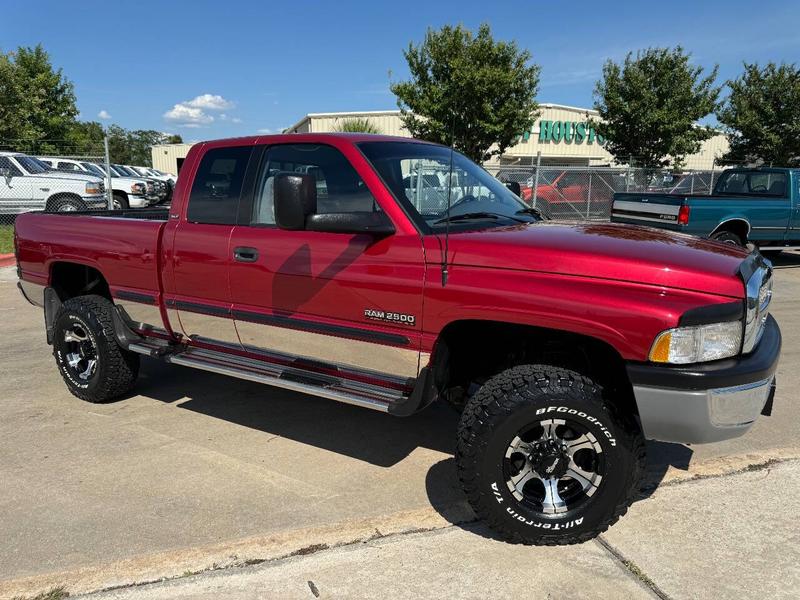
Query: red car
[307, 262]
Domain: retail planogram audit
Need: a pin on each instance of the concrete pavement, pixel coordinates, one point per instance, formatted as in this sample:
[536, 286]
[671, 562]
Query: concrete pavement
[197, 469]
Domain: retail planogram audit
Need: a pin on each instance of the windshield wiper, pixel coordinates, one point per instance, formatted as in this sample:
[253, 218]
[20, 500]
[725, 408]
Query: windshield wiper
[476, 215]
[529, 210]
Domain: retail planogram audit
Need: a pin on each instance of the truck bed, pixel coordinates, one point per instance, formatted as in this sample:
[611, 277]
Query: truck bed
[121, 244]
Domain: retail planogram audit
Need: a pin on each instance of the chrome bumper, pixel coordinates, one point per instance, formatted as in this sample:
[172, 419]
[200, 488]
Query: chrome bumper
[709, 402]
[701, 416]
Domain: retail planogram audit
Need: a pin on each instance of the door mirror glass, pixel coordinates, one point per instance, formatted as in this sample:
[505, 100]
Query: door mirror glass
[295, 197]
[5, 172]
[370, 222]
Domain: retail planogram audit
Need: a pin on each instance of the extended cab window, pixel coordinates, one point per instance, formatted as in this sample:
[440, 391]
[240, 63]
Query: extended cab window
[218, 185]
[339, 187]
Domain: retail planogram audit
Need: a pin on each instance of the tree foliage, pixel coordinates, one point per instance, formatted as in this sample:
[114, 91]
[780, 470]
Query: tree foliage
[650, 104]
[357, 125]
[469, 88]
[37, 102]
[762, 115]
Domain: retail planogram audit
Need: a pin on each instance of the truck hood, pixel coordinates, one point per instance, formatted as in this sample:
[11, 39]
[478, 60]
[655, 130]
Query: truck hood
[606, 251]
[70, 176]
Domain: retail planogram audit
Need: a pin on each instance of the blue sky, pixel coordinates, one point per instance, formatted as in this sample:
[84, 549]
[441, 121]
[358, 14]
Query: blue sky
[209, 69]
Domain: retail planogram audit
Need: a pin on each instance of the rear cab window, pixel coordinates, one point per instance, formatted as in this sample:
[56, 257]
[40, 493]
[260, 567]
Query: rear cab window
[217, 186]
[768, 184]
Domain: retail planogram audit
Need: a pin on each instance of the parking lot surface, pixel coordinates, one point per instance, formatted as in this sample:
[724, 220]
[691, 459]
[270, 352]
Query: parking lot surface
[198, 471]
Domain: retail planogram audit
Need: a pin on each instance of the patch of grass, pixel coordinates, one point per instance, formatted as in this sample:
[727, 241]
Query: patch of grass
[58, 593]
[6, 239]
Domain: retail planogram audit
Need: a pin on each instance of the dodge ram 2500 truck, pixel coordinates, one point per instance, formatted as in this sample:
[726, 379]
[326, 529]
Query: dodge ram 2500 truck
[307, 262]
[761, 206]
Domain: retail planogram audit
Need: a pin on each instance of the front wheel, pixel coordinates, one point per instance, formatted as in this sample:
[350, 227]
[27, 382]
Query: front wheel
[544, 459]
[92, 363]
[120, 202]
[68, 205]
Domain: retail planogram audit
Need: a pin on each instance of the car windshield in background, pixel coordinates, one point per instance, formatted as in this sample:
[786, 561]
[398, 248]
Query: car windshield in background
[32, 165]
[94, 169]
[751, 183]
[419, 176]
[125, 172]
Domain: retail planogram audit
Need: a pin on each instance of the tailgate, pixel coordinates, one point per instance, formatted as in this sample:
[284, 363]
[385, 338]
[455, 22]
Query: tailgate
[647, 209]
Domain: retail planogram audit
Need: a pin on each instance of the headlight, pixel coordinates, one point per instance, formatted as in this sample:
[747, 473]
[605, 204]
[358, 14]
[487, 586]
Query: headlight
[685, 345]
[138, 188]
[94, 187]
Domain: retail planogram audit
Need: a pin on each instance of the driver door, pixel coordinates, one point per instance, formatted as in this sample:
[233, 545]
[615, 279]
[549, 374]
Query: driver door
[349, 303]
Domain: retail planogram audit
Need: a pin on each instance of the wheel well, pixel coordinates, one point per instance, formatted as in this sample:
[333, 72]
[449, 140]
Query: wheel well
[469, 352]
[73, 279]
[62, 196]
[122, 193]
[738, 226]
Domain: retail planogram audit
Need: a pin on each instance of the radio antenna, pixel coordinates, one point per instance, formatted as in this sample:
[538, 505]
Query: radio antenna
[445, 271]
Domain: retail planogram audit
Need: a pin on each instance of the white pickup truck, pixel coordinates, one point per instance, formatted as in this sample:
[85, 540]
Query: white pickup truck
[27, 184]
[128, 192]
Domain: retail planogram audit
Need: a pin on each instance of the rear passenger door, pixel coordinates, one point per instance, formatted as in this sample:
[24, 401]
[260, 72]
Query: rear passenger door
[341, 302]
[197, 290]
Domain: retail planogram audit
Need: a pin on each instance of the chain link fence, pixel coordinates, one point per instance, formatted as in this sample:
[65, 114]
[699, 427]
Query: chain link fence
[586, 192]
[63, 175]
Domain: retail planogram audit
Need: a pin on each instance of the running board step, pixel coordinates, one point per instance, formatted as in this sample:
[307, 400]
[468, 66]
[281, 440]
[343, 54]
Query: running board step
[332, 388]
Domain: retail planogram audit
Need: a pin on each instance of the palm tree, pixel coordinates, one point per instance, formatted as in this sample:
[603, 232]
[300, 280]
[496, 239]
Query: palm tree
[356, 125]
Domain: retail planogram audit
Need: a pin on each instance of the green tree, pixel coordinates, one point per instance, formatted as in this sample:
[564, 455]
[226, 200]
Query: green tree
[762, 115]
[357, 125]
[134, 147]
[469, 88]
[37, 103]
[650, 104]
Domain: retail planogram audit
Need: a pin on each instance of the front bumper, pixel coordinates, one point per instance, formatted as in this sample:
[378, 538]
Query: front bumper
[709, 402]
[96, 202]
[135, 201]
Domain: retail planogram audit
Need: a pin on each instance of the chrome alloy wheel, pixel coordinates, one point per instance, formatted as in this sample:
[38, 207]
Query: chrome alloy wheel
[81, 354]
[554, 466]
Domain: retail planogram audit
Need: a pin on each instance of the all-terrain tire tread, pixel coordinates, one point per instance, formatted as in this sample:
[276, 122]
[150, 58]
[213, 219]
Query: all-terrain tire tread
[121, 366]
[500, 396]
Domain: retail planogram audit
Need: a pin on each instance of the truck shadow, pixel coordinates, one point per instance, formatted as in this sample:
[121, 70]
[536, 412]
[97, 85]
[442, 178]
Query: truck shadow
[361, 434]
[786, 260]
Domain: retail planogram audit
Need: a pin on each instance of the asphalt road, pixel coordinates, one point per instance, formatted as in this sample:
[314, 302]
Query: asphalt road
[198, 470]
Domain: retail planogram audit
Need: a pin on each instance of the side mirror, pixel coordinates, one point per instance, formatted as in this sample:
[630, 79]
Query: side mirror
[371, 222]
[5, 172]
[295, 198]
[514, 187]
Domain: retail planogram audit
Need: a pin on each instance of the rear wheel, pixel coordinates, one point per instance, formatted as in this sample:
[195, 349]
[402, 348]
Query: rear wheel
[92, 363]
[727, 237]
[544, 459]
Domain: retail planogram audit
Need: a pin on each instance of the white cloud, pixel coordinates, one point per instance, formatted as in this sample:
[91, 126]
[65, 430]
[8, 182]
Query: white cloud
[187, 116]
[209, 102]
[103, 114]
[236, 120]
[195, 112]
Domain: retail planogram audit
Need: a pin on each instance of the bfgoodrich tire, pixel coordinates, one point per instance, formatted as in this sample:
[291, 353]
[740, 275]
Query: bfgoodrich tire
[92, 364]
[544, 460]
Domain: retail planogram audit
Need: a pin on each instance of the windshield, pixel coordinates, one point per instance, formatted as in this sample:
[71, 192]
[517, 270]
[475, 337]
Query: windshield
[32, 165]
[419, 177]
[125, 172]
[94, 169]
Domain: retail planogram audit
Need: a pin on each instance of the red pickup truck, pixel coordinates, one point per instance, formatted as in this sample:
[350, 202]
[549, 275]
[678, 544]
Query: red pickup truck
[309, 263]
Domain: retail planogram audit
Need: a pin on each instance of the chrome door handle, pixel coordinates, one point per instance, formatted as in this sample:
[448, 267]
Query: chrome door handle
[245, 254]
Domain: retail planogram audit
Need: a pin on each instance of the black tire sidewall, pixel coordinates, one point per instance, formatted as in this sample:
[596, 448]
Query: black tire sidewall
[123, 201]
[78, 204]
[619, 465]
[727, 237]
[67, 318]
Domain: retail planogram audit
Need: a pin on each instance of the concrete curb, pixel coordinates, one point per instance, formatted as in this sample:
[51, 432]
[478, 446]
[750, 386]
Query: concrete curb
[7, 260]
[180, 562]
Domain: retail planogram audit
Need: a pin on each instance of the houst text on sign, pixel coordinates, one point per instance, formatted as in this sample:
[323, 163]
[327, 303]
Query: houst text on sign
[566, 132]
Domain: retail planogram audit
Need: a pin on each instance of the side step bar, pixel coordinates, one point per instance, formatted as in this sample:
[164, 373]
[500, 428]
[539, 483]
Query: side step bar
[333, 388]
